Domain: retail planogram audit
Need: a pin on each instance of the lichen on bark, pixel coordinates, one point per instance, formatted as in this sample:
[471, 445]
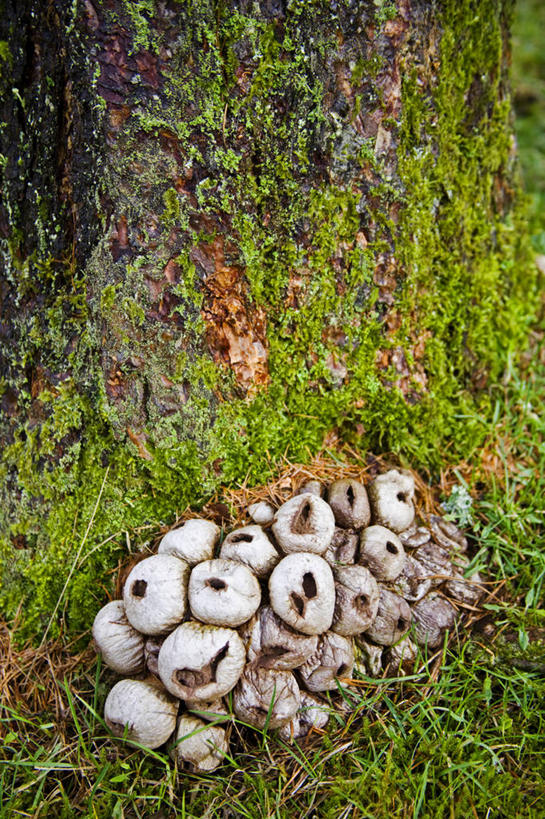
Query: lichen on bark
[263, 222]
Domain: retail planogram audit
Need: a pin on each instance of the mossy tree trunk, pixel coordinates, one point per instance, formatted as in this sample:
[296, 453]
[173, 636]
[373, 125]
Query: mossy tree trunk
[229, 228]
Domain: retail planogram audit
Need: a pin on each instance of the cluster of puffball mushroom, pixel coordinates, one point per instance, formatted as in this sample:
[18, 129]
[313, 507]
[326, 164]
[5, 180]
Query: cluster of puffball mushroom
[280, 616]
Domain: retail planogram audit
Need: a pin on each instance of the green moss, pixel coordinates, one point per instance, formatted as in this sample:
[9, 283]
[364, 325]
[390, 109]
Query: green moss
[462, 289]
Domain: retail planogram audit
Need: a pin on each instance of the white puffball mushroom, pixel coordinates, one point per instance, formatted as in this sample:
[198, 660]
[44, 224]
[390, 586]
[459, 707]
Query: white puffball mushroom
[266, 697]
[141, 711]
[261, 513]
[344, 547]
[464, 589]
[392, 621]
[223, 592]
[356, 600]
[414, 536]
[401, 657]
[414, 582]
[201, 662]
[251, 546]
[193, 541]
[302, 592]
[371, 655]
[312, 715]
[201, 746]
[382, 552]
[305, 523]
[208, 711]
[311, 487]
[350, 504]
[121, 645]
[155, 594]
[391, 498]
[432, 617]
[332, 660]
[274, 644]
[435, 561]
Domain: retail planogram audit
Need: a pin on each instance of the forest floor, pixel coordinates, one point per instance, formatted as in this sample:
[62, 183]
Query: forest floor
[468, 741]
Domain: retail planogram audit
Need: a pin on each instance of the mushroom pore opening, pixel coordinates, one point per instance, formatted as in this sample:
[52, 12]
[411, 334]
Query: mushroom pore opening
[350, 495]
[216, 584]
[309, 585]
[242, 538]
[138, 588]
[342, 669]
[401, 624]
[302, 522]
[298, 603]
[362, 601]
[195, 677]
[392, 548]
[402, 496]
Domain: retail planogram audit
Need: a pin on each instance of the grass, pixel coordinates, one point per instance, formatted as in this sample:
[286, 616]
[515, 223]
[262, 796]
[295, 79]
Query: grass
[468, 741]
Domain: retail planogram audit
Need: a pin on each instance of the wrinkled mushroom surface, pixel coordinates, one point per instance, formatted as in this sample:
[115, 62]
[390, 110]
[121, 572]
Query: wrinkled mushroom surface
[208, 711]
[201, 662]
[344, 547]
[402, 656]
[332, 661]
[304, 523]
[312, 714]
[193, 541]
[274, 644]
[392, 621]
[141, 711]
[152, 647]
[121, 645]
[356, 600]
[199, 745]
[447, 535]
[223, 592]
[391, 498]
[432, 617]
[414, 582]
[155, 593]
[350, 504]
[302, 592]
[266, 697]
[382, 552]
[251, 546]
[371, 654]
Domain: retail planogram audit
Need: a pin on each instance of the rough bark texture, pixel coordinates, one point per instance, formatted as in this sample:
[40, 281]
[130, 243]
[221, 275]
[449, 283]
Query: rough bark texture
[228, 228]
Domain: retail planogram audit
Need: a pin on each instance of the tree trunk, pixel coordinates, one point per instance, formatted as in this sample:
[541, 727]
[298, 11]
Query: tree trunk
[228, 229]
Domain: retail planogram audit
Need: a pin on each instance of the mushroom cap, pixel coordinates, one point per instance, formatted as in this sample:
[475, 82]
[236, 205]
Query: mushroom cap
[193, 541]
[382, 552]
[432, 616]
[302, 592]
[312, 713]
[344, 547]
[372, 655]
[261, 513]
[155, 593]
[201, 662]
[356, 600]
[266, 697]
[305, 523]
[447, 534]
[200, 745]
[251, 546]
[274, 644]
[333, 658]
[121, 645]
[392, 621]
[350, 504]
[313, 487]
[223, 592]
[391, 497]
[142, 711]
[414, 582]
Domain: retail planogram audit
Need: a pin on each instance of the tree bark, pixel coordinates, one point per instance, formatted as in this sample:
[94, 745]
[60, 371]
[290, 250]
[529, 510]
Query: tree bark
[229, 229]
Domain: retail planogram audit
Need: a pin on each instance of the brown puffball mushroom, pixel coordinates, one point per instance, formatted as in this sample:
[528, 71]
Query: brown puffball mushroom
[435, 561]
[261, 513]
[414, 536]
[223, 592]
[304, 523]
[432, 617]
[371, 655]
[344, 547]
[251, 546]
[413, 583]
[392, 621]
[332, 660]
[199, 745]
[193, 541]
[350, 504]
[263, 696]
[141, 711]
[356, 600]
[274, 644]
[447, 535]
[208, 711]
[312, 714]
[382, 552]
[152, 647]
[120, 645]
[464, 589]
[155, 593]
[391, 498]
[401, 657]
[302, 592]
[201, 662]
[311, 487]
